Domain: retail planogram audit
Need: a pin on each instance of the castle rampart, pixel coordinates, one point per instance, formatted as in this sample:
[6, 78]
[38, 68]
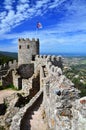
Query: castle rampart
[8, 66]
[42, 74]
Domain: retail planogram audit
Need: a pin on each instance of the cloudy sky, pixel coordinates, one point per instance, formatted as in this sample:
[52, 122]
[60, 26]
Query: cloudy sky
[63, 24]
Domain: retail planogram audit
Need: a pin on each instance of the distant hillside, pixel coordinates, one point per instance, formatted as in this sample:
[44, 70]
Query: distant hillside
[10, 54]
[7, 56]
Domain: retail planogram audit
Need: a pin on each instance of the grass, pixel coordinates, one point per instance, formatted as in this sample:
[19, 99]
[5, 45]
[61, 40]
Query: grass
[2, 128]
[11, 86]
[0, 83]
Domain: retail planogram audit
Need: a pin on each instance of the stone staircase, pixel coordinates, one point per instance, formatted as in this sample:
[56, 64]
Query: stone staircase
[37, 122]
[33, 119]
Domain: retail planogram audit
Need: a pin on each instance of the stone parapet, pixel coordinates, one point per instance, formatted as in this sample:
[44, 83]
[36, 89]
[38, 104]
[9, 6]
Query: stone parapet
[16, 121]
[10, 65]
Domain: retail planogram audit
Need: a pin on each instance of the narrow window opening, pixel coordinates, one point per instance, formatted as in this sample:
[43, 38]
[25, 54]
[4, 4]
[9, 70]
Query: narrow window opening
[19, 46]
[33, 58]
[28, 47]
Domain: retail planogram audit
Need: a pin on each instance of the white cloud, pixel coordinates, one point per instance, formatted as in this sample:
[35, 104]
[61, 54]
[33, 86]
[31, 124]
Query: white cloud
[22, 7]
[3, 15]
[23, 1]
[11, 17]
[65, 32]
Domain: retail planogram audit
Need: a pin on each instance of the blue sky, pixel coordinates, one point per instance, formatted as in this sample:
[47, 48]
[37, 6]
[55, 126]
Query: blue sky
[63, 21]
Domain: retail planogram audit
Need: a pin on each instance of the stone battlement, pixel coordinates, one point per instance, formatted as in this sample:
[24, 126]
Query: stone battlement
[11, 64]
[55, 60]
[22, 40]
[53, 63]
[41, 75]
[27, 49]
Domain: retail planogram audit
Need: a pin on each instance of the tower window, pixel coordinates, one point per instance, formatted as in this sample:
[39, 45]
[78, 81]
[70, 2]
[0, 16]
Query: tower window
[19, 46]
[33, 57]
[27, 46]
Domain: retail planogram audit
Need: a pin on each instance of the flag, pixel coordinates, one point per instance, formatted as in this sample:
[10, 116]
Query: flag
[39, 25]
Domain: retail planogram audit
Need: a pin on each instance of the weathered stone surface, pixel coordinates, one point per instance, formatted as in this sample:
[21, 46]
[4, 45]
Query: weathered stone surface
[16, 121]
[26, 70]
[7, 79]
[64, 109]
[26, 50]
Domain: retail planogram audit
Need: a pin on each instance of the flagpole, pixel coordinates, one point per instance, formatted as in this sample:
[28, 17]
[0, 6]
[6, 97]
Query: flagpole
[36, 32]
[38, 26]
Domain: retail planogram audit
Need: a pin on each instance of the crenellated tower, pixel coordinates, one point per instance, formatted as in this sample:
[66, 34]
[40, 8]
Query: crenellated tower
[27, 49]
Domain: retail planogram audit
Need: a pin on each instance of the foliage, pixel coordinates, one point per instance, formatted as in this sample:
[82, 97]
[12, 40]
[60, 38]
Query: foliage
[0, 83]
[2, 128]
[11, 86]
[9, 54]
[77, 74]
[5, 59]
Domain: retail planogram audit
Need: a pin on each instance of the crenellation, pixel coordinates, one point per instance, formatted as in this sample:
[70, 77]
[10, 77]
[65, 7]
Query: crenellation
[14, 62]
[33, 39]
[27, 50]
[27, 39]
[49, 57]
[41, 56]
[52, 68]
[37, 40]
[39, 74]
[59, 71]
[53, 57]
[10, 63]
[59, 58]
[44, 56]
[37, 57]
[55, 70]
[7, 66]
[4, 65]
[21, 40]
[49, 64]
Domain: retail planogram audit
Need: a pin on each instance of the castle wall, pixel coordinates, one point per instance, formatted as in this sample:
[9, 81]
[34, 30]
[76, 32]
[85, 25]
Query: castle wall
[26, 50]
[26, 85]
[26, 70]
[7, 66]
[3, 72]
[64, 110]
[47, 65]
[7, 79]
[16, 81]
[17, 120]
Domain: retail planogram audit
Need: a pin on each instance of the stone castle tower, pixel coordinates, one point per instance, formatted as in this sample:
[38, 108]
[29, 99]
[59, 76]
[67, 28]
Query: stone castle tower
[27, 49]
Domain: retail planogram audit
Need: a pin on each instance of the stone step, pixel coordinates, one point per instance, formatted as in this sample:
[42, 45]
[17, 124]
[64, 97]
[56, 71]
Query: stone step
[37, 122]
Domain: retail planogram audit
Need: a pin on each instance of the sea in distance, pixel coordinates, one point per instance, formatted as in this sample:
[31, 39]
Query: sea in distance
[66, 54]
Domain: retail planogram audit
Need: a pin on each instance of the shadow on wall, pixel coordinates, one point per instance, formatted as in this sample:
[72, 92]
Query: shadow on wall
[2, 109]
[26, 70]
[22, 101]
[20, 83]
